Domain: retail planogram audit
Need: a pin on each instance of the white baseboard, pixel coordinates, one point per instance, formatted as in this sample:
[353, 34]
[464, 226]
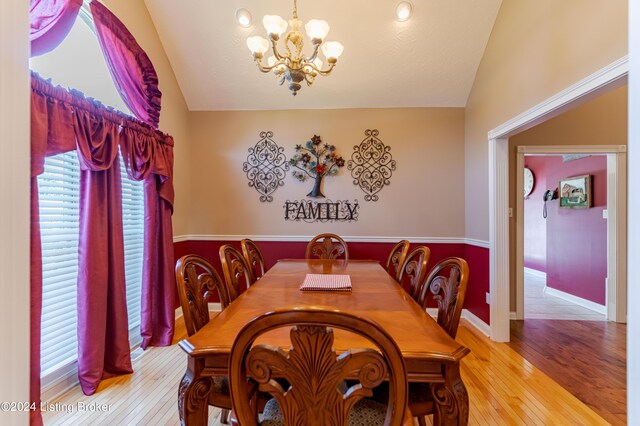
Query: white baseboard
[213, 307]
[482, 326]
[472, 319]
[67, 379]
[536, 273]
[596, 307]
[513, 315]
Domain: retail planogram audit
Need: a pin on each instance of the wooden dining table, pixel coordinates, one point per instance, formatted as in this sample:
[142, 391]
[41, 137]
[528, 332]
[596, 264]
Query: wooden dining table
[430, 354]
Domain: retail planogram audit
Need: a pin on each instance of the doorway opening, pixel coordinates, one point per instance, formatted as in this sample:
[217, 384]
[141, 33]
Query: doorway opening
[503, 262]
[564, 237]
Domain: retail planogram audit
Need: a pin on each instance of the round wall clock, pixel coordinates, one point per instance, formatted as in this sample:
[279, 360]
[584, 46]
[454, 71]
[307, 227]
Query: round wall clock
[528, 181]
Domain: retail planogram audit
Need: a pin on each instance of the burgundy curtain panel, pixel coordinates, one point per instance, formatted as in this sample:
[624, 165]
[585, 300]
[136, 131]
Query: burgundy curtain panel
[35, 417]
[146, 160]
[50, 22]
[103, 332]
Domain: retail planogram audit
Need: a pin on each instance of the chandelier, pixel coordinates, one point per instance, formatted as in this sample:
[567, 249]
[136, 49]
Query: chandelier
[291, 65]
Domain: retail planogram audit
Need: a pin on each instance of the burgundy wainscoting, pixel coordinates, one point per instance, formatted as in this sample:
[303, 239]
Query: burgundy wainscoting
[273, 250]
[478, 287]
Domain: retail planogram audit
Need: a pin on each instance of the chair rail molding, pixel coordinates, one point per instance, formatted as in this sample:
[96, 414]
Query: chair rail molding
[612, 75]
[350, 239]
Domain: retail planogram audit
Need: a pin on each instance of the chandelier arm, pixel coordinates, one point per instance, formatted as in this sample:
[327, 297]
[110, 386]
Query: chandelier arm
[268, 68]
[275, 50]
[315, 52]
[319, 71]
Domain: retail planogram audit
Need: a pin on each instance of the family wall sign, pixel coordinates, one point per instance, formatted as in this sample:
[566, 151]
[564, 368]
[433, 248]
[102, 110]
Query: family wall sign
[371, 167]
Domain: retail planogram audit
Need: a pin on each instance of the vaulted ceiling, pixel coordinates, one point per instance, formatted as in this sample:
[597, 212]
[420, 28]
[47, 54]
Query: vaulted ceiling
[428, 61]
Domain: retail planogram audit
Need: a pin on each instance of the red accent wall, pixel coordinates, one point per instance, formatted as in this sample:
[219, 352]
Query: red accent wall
[577, 238]
[477, 257]
[535, 226]
[478, 286]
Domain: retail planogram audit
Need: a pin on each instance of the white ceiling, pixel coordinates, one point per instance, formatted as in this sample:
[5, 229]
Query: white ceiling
[428, 61]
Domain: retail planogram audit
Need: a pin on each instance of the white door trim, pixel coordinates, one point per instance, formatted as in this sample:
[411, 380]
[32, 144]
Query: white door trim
[616, 223]
[499, 239]
[633, 223]
[613, 74]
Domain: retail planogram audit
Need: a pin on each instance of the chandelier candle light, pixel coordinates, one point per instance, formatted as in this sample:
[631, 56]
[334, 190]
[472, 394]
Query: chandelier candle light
[292, 65]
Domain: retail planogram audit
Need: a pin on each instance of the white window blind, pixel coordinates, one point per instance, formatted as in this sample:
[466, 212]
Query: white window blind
[133, 225]
[59, 193]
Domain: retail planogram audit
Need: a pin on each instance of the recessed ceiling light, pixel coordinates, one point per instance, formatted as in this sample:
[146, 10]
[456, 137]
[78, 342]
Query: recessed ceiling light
[403, 11]
[243, 16]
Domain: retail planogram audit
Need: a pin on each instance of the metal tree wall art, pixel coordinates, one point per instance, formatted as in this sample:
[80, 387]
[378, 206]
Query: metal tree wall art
[266, 166]
[315, 160]
[371, 165]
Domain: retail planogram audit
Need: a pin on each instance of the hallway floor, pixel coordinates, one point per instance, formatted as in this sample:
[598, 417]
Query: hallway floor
[538, 305]
[587, 358]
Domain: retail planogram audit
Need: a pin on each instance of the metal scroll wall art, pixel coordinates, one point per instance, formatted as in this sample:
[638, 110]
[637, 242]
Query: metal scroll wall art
[371, 165]
[266, 166]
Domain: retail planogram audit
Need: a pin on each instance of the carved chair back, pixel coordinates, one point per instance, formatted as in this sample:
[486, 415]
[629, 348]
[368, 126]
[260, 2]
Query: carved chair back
[448, 291]
[236, 270]
[396, 258]
[197, 280]
[327, 246]
[413, 271]
[313, 369]
[254, 258]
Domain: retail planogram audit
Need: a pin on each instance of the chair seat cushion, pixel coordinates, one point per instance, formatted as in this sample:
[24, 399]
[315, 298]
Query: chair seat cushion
[365, 413]
[419, 392]
[220, 384]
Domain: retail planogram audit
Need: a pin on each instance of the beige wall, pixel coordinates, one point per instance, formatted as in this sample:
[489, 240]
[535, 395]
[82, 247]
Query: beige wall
[425, 198]
[601, 121]
[536, 49]
[14, 217]
[174, 114]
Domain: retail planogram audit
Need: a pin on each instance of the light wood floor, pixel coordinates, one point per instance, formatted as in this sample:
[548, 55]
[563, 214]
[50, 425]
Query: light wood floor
[539, 305]
[503, 387]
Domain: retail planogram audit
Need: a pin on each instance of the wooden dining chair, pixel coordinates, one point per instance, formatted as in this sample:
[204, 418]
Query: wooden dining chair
[327, 246]
[414, 270]
[448, 291]
[197, 282]
[396, 258]
[254, 258]
[447, 283]
[316, 373]
[236, 270]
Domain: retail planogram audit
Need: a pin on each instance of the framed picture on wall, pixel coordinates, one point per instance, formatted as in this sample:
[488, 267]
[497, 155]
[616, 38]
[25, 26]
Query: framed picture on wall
[575, 192]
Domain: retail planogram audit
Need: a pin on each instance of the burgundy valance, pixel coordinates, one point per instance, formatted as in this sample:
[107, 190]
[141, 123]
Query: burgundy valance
[63, 120]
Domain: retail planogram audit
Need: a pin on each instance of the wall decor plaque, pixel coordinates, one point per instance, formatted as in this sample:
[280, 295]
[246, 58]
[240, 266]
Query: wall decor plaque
[321, 211]
[371, 165]
[266, 166]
